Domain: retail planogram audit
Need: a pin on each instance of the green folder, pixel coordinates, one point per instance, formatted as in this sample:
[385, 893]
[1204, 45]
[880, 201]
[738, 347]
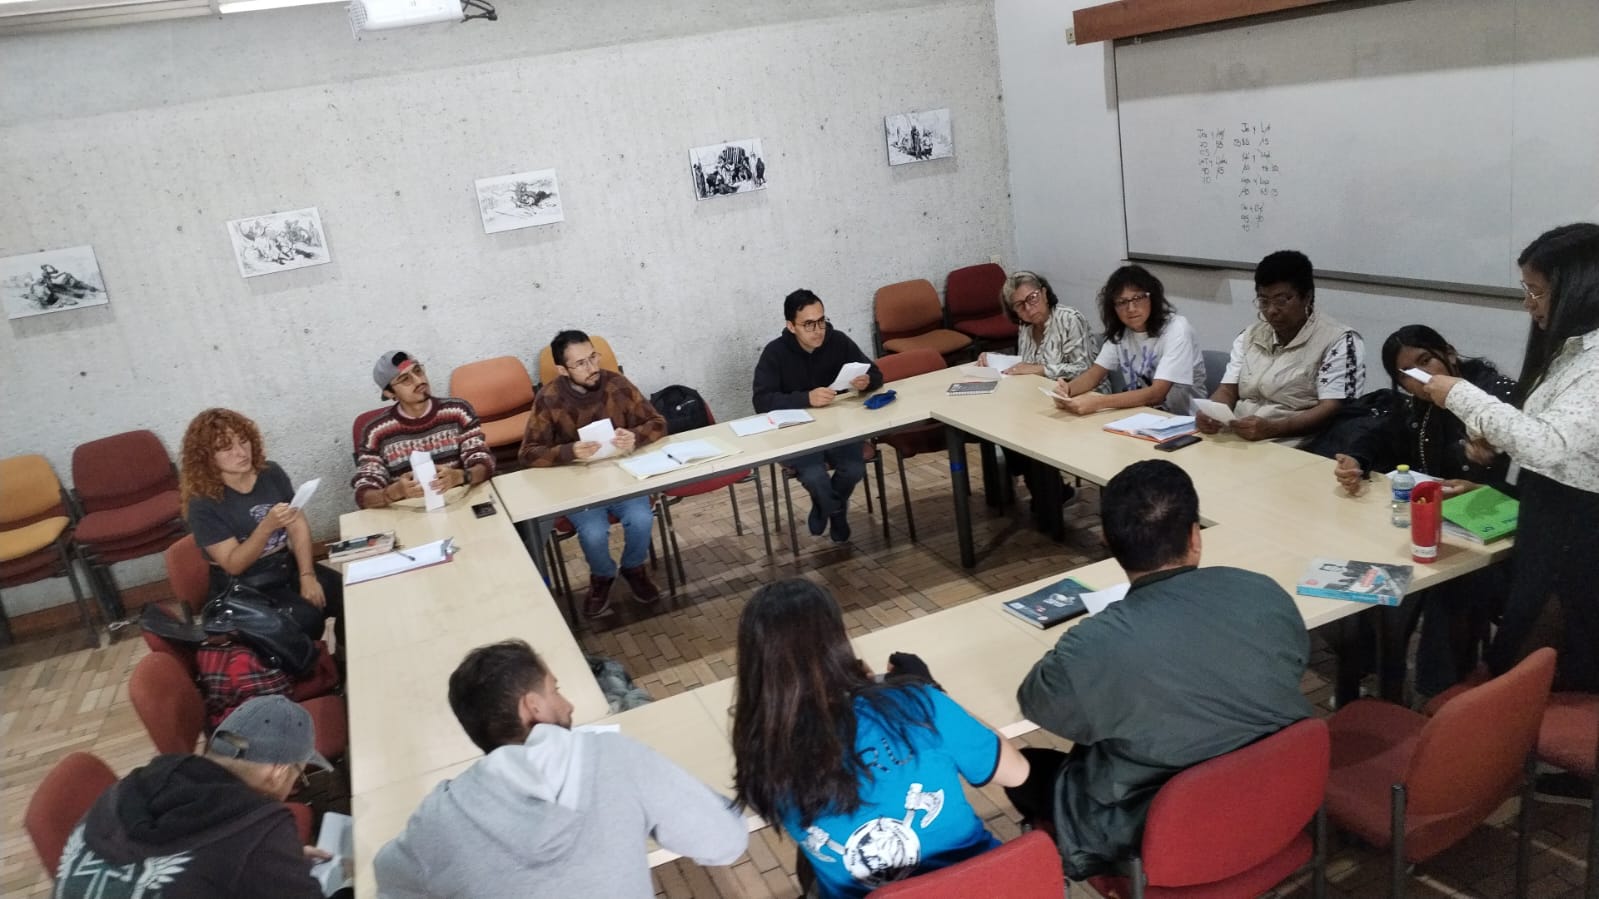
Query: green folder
[1481, 516]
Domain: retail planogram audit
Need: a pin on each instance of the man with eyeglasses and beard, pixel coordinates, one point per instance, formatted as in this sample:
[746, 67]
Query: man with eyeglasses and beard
[445, 428]
[794, 372]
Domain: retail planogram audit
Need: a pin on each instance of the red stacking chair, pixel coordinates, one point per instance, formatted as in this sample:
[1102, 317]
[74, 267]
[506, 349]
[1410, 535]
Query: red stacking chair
[126, 488]
[1568, 737]
[60, 802]
[925, 437]
[971, 295]
[673, 495]
[1234, 825]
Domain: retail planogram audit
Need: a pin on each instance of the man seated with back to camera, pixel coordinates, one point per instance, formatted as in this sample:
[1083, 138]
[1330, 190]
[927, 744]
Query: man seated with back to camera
[1193, 663]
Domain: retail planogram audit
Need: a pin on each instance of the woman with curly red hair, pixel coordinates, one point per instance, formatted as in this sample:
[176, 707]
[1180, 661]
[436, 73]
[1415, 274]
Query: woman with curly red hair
[237, 506]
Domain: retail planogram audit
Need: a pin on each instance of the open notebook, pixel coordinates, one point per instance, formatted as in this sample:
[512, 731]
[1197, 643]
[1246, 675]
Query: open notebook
[1149, 426]
[672, 457]
[771, 421]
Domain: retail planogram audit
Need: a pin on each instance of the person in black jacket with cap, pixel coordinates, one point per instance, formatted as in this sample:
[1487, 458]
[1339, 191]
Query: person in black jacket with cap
[795, 372]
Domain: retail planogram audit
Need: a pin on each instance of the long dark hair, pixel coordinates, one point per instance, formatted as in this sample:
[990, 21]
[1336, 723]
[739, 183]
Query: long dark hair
[1418, 337]
[1133, 276]
[1568, 256]
[794, 716]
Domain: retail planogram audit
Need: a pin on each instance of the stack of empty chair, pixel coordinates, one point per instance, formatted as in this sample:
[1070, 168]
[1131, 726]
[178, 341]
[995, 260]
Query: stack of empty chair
[126, 489]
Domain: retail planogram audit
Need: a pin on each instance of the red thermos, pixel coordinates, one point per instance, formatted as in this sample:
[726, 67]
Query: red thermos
[1426, 521]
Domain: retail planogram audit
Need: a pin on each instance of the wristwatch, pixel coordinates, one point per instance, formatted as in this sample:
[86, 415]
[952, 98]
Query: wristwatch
[466, 475]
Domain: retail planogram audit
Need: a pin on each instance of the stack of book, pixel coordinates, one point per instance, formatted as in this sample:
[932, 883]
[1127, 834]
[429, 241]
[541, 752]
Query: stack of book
[361, 547]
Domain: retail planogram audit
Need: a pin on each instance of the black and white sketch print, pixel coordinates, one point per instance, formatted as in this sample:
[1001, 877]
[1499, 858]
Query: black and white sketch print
[918, 136]
[519, 201]
[51, 281]
[278, 242]
[734, 167]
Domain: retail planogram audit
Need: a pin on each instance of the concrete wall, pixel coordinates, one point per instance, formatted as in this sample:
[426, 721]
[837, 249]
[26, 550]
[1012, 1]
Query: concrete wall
[143, 140]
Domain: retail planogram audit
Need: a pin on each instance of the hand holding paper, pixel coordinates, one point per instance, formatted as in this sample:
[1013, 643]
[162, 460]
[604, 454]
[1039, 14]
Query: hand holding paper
[848, 373]
[601, 432]
[1214, 411]
[1419, 375]
[304, 494]
[423, 468]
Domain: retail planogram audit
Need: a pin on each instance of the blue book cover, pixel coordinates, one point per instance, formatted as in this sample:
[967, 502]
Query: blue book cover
[1049, 606]
[1358, 581]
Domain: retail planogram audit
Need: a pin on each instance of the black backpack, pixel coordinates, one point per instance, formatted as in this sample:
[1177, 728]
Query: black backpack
[683, 408]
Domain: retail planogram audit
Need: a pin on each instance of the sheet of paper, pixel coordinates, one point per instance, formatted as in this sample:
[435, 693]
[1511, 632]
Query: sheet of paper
[304, 494]
[1418, 374]
[1214, 411]
[1050, 392]
[600, 432]
[687, 451]
[648, 465]
[1001, 361]
[1099, 599]
[980, 373]
[755, 424]
[1132, 423]
[848, 373]
[411, 557]
[425, 471]
[781, 417]
[337, 838]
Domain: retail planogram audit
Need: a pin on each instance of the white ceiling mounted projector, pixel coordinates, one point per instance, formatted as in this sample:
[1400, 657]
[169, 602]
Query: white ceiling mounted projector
[382, 15]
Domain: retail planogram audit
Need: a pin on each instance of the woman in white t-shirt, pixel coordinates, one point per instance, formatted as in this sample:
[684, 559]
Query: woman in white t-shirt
[1147, 342]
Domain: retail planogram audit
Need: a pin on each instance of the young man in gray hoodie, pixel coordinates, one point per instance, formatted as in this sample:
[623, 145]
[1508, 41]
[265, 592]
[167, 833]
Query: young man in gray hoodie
[548, 812]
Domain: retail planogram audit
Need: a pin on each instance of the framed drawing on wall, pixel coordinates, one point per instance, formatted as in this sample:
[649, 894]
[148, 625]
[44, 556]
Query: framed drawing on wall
[517, 201]
[278, 242]
[51, 281]
[918, 136]
[734, 167]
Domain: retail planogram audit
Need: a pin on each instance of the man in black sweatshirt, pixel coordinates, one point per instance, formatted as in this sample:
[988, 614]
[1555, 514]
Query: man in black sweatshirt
[203, 826]
[795, 372]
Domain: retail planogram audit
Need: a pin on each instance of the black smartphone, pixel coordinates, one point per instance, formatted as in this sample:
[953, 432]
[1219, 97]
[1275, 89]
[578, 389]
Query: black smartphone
[1177, 443]
[483, 510]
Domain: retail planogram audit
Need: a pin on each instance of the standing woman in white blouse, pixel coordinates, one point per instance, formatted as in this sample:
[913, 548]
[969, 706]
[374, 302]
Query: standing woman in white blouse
[1553, 439]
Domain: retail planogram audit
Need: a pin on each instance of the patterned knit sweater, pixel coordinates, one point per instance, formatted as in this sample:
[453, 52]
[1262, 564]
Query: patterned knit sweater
[559, 410]
[449, 431]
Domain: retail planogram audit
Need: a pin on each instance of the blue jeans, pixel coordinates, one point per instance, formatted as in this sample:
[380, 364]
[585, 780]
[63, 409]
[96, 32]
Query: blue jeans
[594, 534]
[831, 493]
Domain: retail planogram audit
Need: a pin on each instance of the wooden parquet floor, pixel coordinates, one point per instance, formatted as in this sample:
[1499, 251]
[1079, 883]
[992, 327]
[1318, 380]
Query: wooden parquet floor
[56, 697]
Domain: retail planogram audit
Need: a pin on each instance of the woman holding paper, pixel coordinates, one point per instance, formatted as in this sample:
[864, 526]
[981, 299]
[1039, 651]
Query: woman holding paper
[237, 505]
[1051, 340]
[1147, 341]
[1553, 444]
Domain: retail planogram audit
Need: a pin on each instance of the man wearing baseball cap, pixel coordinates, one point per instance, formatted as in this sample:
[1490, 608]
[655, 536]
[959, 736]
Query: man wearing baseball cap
[203, 825]
[447, 429]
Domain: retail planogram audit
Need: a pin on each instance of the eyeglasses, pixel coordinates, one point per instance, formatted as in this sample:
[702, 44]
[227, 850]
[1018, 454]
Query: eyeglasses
[1137, 299]
[1540, 296]
[1032, 299]
[592, 360]
[411, 375]
[814, 325]
[1277, 301]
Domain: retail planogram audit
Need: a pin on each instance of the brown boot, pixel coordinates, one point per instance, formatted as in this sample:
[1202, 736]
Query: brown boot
[598, 604]
[644, 590]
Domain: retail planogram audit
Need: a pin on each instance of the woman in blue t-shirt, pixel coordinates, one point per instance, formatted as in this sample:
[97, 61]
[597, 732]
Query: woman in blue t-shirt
[865, 775]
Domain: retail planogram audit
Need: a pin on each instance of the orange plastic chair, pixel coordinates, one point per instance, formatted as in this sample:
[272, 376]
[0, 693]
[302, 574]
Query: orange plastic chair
[36, 534]
[972, 296]
[547, 372]
[1027, 867]
[1418, 785]
[501, 394]
[1235, 825]
[60, 802]
[908, 316]
[188, 573]
[168, 703]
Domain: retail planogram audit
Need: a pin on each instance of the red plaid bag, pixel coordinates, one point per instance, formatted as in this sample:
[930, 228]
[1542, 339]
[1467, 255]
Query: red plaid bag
[231, 673]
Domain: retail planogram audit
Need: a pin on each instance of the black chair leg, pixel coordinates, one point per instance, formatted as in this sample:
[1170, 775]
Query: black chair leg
[77, 597]
[732, 500]
[1135, 876]
[905, 492]
[1396, 822]
[1524, 827]
[670, 546]
[1318, 858]
[882, 495]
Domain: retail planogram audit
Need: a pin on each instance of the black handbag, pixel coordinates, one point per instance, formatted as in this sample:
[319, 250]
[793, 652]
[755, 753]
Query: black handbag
[263, 624]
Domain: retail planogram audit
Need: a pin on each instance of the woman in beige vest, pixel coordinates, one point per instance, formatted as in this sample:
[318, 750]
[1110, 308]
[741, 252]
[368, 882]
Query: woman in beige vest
[1288, 374]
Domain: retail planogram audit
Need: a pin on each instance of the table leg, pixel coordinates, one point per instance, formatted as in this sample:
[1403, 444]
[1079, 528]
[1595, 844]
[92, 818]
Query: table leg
[960, 484]
[536, 536]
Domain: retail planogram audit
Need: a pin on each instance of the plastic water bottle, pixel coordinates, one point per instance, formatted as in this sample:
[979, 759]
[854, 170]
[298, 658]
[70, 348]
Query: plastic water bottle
[1399, 510]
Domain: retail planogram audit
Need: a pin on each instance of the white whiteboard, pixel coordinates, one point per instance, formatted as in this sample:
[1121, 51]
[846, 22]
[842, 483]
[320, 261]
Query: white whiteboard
[1422, 142]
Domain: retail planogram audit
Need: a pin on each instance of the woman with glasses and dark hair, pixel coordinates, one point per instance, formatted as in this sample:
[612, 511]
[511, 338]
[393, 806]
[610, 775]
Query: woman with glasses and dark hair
[1152, 347]
[1552, 440]
[1292, 371]
[864, 774]
[1053, 340]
